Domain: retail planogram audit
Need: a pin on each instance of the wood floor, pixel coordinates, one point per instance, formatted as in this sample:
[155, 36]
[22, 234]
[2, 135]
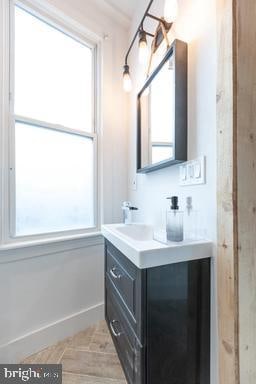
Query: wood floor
[87, 358]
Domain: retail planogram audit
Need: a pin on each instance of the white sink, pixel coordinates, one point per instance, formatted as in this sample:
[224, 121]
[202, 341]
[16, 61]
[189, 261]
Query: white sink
[136, 242]
[137, 232]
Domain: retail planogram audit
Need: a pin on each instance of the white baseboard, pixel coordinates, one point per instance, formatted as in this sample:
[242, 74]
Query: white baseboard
[26, 345]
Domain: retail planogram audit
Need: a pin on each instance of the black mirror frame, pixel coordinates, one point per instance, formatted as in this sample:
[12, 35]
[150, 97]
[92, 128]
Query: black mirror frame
[179, 50]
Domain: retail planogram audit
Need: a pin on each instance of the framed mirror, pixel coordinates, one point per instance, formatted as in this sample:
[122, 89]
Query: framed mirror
[162, 113]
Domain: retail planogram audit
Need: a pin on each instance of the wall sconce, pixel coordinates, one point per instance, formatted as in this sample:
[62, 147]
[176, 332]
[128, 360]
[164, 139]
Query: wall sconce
[165, 24]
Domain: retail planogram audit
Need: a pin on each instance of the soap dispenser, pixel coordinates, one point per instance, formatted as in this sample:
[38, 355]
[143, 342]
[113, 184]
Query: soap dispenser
[190, 221]
[174, 223]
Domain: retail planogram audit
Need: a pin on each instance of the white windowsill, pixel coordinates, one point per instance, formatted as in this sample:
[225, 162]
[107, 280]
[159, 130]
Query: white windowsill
[22, 250]
[34, 243]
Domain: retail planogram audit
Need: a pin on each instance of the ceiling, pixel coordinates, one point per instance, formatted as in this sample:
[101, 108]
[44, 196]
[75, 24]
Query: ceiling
[124, 6]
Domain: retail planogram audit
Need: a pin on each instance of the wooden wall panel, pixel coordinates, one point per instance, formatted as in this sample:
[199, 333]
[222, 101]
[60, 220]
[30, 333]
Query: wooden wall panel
[227, 194]
[236, 127]
[246, 161]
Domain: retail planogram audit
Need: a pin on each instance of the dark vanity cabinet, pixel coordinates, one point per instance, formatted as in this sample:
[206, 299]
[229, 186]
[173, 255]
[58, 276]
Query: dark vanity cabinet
[159, 319]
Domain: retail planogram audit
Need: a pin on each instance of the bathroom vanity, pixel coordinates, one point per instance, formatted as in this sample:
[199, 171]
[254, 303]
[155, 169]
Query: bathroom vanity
[157, 306]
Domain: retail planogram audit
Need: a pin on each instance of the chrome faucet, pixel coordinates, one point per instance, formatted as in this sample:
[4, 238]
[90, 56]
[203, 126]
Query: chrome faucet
[127, 212]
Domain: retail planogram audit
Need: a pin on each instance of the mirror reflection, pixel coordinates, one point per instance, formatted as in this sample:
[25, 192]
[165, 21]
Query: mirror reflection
[157, 114]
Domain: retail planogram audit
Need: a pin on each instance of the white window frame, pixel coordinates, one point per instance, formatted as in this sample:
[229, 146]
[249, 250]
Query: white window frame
[63, 23]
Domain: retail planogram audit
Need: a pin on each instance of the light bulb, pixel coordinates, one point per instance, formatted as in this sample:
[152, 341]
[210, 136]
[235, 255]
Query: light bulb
[143, 52]
[127, 82]
[170, 10]
[143, 47]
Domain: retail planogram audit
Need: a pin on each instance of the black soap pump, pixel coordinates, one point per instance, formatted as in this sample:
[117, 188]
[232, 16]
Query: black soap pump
[174, 222]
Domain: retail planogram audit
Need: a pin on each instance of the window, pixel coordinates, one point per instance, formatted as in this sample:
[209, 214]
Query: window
[54, 136]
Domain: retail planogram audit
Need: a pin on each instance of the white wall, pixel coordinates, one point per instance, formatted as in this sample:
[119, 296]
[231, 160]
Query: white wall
[196, 25]
[49, 296]
[52, 291]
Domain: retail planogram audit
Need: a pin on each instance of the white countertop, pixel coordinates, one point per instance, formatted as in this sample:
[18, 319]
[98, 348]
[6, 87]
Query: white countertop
[136, 242]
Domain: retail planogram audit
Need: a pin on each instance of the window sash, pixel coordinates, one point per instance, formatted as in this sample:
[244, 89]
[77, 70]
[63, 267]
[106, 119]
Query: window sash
[62, 27]
[65, 30]
[92, 226]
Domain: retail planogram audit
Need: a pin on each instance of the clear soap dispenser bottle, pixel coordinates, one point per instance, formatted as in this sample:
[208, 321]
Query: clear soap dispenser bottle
[174, 223]
[190, 221]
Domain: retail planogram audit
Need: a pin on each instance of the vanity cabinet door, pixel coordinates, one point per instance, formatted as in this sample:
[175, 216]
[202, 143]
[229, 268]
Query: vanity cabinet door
[178, 323]
[129, 349]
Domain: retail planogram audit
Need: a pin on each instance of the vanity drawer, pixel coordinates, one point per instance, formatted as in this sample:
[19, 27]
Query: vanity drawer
[126, 283]
[135, 322]
[130, 352]
[126, 279]
[123, 275]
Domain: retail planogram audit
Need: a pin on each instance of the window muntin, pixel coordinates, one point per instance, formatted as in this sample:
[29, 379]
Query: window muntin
[54, 140]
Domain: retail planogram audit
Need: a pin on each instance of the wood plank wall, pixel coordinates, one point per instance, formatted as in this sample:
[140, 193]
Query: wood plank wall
[227, 255]
[236, 130]
[246, 162]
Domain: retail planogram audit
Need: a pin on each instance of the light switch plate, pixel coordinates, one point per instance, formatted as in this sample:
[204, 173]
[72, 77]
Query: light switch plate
[193, 172]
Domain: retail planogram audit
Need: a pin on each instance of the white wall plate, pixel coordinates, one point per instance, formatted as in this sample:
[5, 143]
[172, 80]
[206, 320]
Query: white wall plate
[193, 172]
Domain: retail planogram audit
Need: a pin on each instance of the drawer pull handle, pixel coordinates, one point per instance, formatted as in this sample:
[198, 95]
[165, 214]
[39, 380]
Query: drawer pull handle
[115, 333]
[114, 274]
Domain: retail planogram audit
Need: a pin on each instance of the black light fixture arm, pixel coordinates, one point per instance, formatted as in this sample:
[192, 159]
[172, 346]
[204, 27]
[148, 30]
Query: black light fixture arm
[155, 18]
[161, 20]
[138, 30]
[149, 34]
